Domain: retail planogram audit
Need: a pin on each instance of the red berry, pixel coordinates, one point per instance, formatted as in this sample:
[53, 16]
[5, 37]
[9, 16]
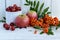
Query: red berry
[6, 26]
[13, 8]
[12, 24]
[10, 8]
[15, 5]
[7, 9]
[19, 8]
[12, 28]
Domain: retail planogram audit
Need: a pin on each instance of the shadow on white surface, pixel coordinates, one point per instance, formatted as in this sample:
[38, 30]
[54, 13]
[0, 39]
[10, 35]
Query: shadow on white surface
[25, 34]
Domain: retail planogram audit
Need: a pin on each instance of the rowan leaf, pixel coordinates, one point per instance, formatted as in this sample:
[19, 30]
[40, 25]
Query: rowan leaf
[45, 10]
[37, 6]
[31, 3]
[27, 1]
[41, 32]
[50, 31]
[26, 4]
[48, 12]
[2, 20]
[41, 7]
[37, 27]
[58, 26]
[34, 3]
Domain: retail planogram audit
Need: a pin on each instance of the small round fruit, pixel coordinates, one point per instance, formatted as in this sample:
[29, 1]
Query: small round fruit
[15, 5]
[22, 21]
[13, 9]
[45, 30]
[41, 20]
[19, 8]
[6, 26]
[10, 8]
[12, 24]
[45, 25]
[12, 28]
[7, 9]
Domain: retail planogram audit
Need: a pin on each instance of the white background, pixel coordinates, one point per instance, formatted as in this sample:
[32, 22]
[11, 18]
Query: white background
[23, 34]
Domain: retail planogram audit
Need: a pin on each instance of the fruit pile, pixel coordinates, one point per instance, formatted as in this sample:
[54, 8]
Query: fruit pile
[13, 8]
[45, 22]
[34, 18]
[11, 26]
[23, 21]
[31, 19]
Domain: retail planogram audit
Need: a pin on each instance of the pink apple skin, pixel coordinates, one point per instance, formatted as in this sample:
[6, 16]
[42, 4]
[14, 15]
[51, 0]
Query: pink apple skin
[22, 21]
[32, 14]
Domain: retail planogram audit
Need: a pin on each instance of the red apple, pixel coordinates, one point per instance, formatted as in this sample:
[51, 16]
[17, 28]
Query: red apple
[32, 14]
[22, 21]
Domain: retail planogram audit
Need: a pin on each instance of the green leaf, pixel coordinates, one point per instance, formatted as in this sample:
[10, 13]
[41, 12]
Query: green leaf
[58, 26]
[2, 20]
[41, 7]
[37, 5]
[40, 16]
[48, 12]
[27, 1]
[41, 32]
[37, 27]
[31, 3]
[45, 10]
[32, 8]
[26, 4]
[50, 31]
[34, 3]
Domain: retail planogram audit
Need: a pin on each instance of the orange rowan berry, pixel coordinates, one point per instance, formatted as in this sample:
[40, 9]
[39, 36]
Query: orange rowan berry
[46, 15]
[56, 21]
[45, 30]
[40, 23]
[41, 20]
[45, 25]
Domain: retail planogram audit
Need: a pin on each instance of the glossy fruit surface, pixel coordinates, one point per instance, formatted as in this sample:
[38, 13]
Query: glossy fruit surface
[22, 21]
[12, 28]
[6, 26]
[32, 14]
